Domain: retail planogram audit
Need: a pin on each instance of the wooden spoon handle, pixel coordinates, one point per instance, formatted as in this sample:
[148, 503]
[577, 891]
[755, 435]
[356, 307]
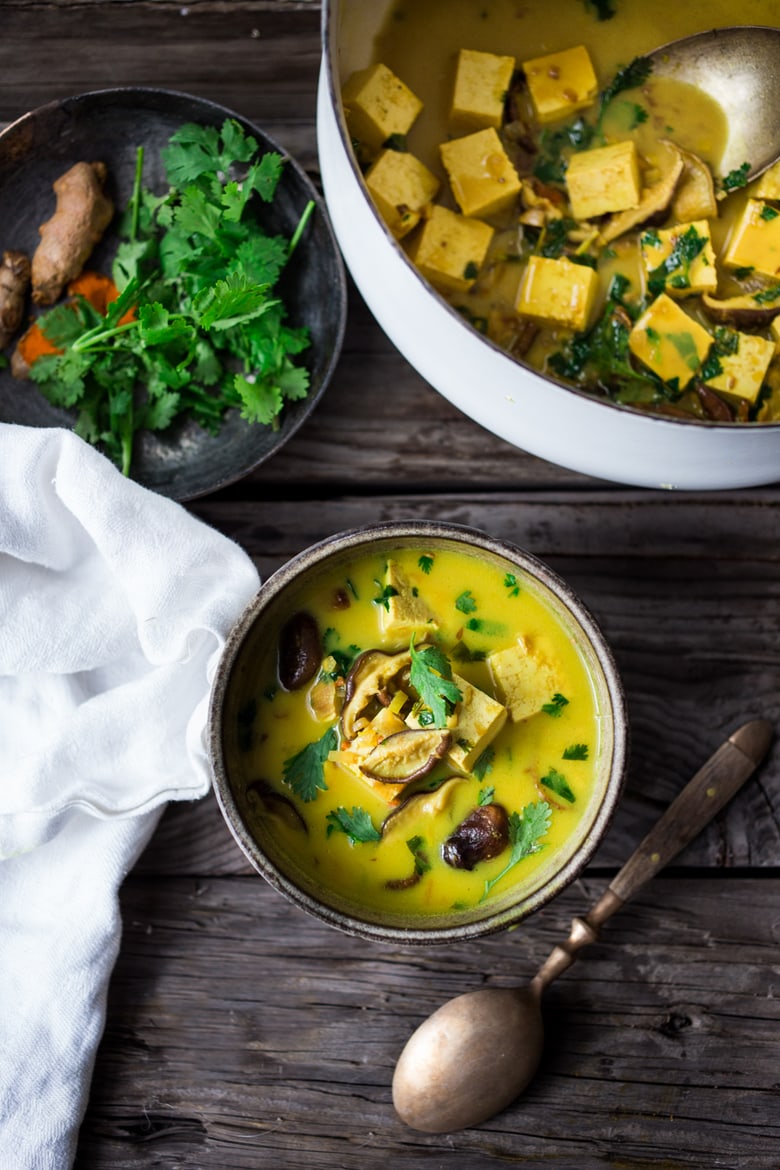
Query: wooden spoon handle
[702, 798]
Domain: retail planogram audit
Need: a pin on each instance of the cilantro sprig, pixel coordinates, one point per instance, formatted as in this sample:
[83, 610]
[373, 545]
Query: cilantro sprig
[526, 830]
[357, 825]
[198, 327]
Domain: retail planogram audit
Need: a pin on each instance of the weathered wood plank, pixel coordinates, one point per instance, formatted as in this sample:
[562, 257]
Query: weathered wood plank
[663, 1042]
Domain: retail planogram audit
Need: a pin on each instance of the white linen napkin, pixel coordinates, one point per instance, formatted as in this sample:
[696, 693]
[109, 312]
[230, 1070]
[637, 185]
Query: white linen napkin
[114, 608]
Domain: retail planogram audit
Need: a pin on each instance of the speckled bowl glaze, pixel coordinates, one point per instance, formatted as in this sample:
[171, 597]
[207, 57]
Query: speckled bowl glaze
[544, 417]
[183, 461]
[259, 626]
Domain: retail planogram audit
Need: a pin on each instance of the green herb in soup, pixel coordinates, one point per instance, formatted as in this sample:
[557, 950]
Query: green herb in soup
[563, 198]
[435, 745]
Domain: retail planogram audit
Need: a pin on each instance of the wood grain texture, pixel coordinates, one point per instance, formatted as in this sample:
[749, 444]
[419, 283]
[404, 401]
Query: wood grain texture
[663, 1043]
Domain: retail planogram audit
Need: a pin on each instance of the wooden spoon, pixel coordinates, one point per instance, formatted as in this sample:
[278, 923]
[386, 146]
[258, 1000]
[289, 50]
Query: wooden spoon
[473, 1056]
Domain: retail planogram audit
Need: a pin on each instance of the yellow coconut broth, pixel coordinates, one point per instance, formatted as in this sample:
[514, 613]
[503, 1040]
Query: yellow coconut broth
[480, 607]
[420, 42]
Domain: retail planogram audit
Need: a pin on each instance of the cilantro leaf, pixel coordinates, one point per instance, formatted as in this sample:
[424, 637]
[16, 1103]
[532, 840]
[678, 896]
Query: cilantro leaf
[557, 783]
[484, 763]
[426, 563]
[304, 772]
[431, 677]
[357, 825]
[556, 705]
[525, 832]
[576, 751]
[465, 603]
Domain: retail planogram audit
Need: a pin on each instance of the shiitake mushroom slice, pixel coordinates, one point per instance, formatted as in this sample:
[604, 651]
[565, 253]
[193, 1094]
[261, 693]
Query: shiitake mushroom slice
[262, 797]
[483, 834]
[407, 755]
[300, 651]
[368, 677]
[418, 807]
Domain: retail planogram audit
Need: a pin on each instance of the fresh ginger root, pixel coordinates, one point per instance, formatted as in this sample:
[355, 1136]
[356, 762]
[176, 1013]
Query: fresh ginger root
[82, 214]
[14, 280]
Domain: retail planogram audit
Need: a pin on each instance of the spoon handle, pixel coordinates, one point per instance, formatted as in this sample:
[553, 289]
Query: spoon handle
[702, 799]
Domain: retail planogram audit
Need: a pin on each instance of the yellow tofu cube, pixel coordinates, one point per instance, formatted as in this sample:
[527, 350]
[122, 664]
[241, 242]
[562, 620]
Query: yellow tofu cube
[401, 188]
[377, 105]
[477, 721]
[768, 184]
[450, 249]
[604, 180]
[669, 341]
[755, 241]
[523, 680]
[743, 372]
[404, 611]
[680, 260]
[481, 174]
[482, 81]
[557, 292]
[560, 83]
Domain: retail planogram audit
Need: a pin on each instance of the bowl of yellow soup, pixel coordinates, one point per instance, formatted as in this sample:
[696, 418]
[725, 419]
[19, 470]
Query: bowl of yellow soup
[417, 732]
[538, 222]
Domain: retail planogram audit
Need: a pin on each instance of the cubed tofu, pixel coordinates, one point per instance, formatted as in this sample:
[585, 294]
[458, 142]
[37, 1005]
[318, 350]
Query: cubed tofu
[768, 185]
[680, 260]
[404, 611]
[669, 341]
[482, 81]
[377, 105]
[560, 83]
[523, 680]
[604, 180]
[743, 372]
[450, 249]
[557, 292]
[477, 721]
[480, 172]
[401, 188]
[755, 240]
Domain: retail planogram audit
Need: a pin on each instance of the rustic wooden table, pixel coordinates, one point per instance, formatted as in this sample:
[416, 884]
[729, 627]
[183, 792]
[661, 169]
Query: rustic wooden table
[242, 1033]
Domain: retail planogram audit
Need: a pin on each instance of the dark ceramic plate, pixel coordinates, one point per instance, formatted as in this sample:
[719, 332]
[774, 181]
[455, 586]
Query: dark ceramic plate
[184, 461]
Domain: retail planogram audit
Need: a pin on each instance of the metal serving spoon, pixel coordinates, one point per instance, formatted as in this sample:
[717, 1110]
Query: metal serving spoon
[739, 67]
[473, 1056]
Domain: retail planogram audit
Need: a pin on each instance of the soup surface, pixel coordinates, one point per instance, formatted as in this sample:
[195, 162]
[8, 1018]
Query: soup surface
[438, 749]
[587, 236]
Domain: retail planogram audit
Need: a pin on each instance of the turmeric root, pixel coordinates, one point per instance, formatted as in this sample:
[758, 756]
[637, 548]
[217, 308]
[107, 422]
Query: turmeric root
[14, 280]
[82, 214]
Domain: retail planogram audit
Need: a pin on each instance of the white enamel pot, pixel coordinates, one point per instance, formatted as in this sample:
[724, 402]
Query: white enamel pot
[560, 424]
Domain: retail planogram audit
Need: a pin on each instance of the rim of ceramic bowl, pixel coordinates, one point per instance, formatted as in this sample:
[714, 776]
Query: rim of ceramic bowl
[329, 40]
[353, 920]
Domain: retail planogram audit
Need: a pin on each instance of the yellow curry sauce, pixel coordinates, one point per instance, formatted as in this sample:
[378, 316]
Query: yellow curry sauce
[331, 821]
[727, 369]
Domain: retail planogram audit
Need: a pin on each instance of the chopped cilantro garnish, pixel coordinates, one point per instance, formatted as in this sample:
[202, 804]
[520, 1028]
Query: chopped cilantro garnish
[486, 795]
[357, 825]
[386, 593]
[425, 562]
[736, 178]
[484, 763]
[605, 9]
[556, 705]
[304, 772]
[576, 751]
[525, 832]
[416, 846]
[465, 603]
[557, 783]
[511, 583]
[629, 77]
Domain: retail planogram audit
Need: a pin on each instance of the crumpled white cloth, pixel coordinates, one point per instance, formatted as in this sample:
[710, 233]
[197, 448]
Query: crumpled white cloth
[114, 607]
